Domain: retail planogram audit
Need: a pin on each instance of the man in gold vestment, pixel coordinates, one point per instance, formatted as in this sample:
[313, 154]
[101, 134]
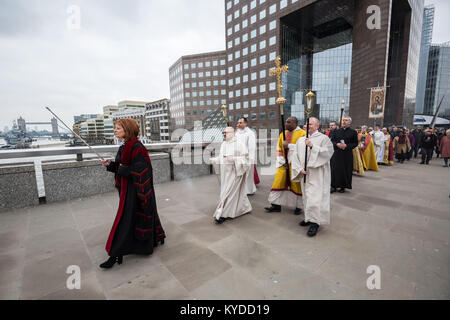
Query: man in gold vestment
[367, 148]
[281, 193]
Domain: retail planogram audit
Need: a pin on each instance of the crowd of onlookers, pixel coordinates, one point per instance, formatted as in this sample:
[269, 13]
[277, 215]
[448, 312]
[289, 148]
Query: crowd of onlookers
[407, 144]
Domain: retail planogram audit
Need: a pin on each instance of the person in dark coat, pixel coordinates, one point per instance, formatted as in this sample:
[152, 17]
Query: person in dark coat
[344, 141]
[418, 134]
[427, 146]
[137, 228]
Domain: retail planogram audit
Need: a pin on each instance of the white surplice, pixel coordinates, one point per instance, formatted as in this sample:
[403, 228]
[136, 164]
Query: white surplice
[232, 165]
[316, 191]
[378, 140]
[248, 138]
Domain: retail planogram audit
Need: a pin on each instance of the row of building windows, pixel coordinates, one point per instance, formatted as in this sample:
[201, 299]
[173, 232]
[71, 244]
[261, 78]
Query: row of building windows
[203, 102]
[252, 103]
[207, 64]
[201, 84]
[194, 75]
[253, 63]
[208, 93]
[245, 9]
[253, 90]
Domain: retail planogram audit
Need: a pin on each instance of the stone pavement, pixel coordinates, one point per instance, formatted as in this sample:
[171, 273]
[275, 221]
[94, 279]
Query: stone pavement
[397, 219]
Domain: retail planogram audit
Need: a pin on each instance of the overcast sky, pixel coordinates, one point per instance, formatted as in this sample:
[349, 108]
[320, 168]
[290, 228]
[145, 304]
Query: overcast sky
[122, 51]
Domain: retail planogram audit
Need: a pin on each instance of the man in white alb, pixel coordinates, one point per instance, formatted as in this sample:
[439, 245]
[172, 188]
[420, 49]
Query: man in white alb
[379, 140]
[232, 164]
[316, 190]
[247, 137]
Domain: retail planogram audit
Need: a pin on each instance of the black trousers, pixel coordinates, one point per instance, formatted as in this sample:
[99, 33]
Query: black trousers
[416, 150]
[427, 154]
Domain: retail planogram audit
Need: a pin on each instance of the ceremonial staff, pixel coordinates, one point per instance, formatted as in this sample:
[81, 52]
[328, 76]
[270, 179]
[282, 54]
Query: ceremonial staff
[309, 105]
[342, 113]
[281, 101]
[224, 112]
[75, 133]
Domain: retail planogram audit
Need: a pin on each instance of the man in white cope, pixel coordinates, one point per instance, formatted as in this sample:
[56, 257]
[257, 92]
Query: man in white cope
[316, 190]
[248, 138]
[378, 139]
[232, 165]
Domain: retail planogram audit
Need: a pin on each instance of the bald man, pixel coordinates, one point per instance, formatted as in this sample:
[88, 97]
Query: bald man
[232, 164]
[316, 190]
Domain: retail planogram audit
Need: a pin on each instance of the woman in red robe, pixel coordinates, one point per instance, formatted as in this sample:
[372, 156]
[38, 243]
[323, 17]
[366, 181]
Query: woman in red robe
[137, 228]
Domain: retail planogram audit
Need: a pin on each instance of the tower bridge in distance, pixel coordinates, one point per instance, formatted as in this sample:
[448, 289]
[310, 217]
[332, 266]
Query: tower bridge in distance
[22, 125]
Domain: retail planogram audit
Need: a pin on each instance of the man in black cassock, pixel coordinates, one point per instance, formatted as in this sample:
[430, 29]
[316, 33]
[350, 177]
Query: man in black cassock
[344, 141]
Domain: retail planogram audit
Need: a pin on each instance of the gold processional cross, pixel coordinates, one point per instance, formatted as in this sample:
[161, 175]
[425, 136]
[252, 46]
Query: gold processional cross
[277, 71]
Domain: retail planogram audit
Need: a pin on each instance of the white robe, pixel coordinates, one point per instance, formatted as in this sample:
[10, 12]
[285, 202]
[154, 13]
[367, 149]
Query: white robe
[378, 140]
[248, 138]
[232, 164]
[316, 191]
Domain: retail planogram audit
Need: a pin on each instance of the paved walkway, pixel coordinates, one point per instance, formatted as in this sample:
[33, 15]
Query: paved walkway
[397, 219]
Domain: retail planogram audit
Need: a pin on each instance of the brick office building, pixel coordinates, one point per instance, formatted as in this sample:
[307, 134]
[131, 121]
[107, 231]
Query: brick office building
[331, 48]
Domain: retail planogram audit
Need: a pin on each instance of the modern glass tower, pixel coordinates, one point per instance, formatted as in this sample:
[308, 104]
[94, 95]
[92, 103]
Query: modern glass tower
[427, 35]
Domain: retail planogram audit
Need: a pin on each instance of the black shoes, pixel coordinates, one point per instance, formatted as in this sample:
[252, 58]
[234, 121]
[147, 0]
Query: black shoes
[304, 224]
[341, 190]
[111, 262]
[298, 211]
[273, 208]
[313, 230]
[422, 162]
[220, 220]
[332, 190]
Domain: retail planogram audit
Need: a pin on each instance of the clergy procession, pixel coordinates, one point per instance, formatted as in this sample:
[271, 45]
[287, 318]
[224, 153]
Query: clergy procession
[311, 161]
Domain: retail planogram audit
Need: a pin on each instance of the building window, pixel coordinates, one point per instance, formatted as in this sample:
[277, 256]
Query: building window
[283, 4]
[244, 37]
[229, 4]
[254, 116]
[230, 69]
[230, 82]
[245, 78]
[262, 59]
[262, 116]
[192, 65]
[254, 102]
[272, 8]
[253, 34]
[230, 57]
[238, 105]
[272, 40]
[245, 65]
[253, 4]
[236, 14]
[215, 63]
[245, 91]
[262, 14]
[262, 74]
[230, 31]
[253, 62]
[262, 88]
[272, 115]
[186, 66]
[254, 76]
[230, 44]
[262, 44]
[237, 80]
[245, 51]
[272, 56]
[237, 67]
[237, 54]
[262, 29]
[253, 48]
[253, 90]
[253, 19]
[272, 86]
[272, 101]
[244, 9]
[237, 27]
[244, 24]
[222, 62]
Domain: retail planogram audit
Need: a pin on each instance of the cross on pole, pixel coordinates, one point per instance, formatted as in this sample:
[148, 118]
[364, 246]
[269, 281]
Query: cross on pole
[277, 71]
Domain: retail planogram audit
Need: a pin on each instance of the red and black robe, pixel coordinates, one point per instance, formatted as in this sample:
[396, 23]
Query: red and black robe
[136, 228]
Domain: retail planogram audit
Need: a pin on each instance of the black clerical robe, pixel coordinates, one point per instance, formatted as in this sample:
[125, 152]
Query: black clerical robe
[342, 160]
[137, 228]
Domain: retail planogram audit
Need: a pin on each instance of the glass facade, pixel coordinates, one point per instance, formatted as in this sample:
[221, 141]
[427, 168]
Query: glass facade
[438, 81]
[319, 56]
[427, 34]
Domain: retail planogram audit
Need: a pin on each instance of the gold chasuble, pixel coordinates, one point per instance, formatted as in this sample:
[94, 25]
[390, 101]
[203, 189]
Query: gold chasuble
[279, 183]
[368, 152]
[358, 166]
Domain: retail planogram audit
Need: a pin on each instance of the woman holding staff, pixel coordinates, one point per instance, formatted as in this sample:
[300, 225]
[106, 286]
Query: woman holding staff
[137, 228]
